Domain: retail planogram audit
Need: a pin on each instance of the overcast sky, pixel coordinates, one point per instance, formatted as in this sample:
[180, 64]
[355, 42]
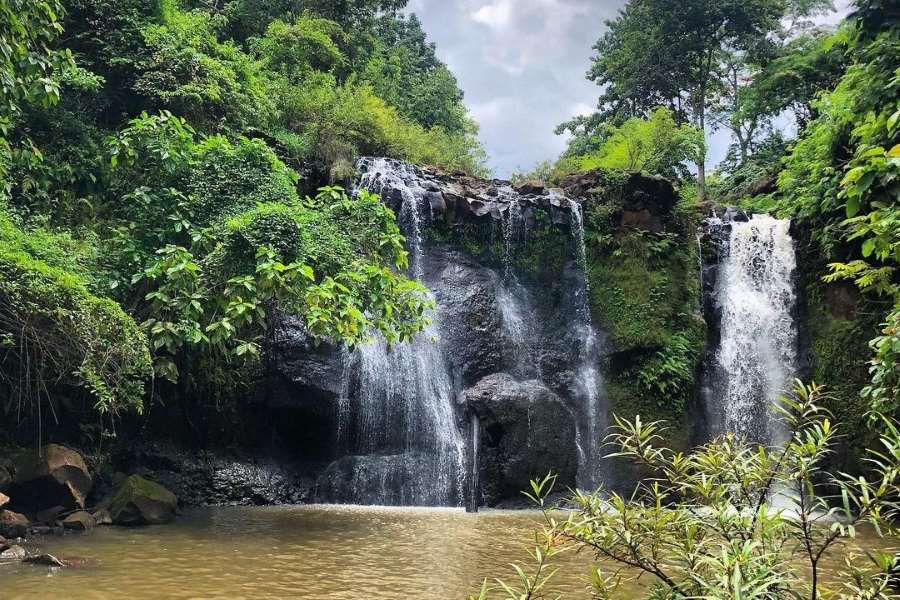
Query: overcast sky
[522, 65]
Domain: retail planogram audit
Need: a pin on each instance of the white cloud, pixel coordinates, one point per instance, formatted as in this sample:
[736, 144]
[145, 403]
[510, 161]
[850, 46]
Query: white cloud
[496, 16]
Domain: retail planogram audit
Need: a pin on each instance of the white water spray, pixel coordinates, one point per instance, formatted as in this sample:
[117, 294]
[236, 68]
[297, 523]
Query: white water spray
[589, 437]
[758, 349]
[402, 396]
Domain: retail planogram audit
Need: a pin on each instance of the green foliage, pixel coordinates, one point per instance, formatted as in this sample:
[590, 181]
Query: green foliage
[404, 71]
[187, 70]
[668, 377]
[298, 49]
[54, 332]
[729, 519]
[842, 179]
[28, 29]
[220, 302]
[655, 145]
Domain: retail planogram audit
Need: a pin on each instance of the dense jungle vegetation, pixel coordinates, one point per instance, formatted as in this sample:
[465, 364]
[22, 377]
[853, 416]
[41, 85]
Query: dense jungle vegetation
[173, 177]
[750, 69]
[161, 165]
[153, 157]
[715, 521]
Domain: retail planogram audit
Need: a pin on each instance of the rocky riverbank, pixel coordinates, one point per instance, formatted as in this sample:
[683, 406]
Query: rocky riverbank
[51, 491]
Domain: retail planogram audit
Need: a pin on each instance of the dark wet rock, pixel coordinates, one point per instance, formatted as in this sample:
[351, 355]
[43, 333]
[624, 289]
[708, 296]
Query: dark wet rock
[531, 187]
[469, 320]
[45, 530]
[642, 220]
[53, 476]
[141, 502]
[527, 431]
[376, 478]
[208, 479]
[455, 197]
[50, 515]
[13, 553]
[79, 521]
[13, 524]
[313, 367]
[5, 478]
[102, 517]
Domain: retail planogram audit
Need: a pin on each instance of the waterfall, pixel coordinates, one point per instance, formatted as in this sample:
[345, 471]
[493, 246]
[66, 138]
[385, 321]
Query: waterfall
[590, 434]
[397, 403]
[402, 436]
[757, 353]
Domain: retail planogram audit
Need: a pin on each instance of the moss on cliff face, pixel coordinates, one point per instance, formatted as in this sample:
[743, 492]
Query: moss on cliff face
[641, 265]
[643, 276]
[837, 326]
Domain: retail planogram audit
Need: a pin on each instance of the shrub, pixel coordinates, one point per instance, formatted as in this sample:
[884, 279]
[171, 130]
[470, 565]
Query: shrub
[729, 519]
[54, 332]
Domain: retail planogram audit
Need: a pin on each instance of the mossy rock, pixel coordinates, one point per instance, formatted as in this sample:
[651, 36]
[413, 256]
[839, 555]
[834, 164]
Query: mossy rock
[138, 501]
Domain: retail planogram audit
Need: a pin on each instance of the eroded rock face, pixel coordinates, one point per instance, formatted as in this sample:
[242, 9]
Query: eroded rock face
[527, 431]
[54, 476]
[469, 318]
[206, 479]
[454, 197]
[138, 501]
[312, 366]
[524, 390]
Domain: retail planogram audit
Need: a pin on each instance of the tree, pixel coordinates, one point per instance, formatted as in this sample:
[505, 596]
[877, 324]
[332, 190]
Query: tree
[729, 520]
[28, 63]
[652, 56]
[405, 71]
[656, 145]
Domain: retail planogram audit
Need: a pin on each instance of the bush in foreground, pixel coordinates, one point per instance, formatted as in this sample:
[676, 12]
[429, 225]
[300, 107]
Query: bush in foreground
[729, 520]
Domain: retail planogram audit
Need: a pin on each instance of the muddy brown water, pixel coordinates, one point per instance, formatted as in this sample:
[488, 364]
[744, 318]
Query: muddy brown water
[313, 552]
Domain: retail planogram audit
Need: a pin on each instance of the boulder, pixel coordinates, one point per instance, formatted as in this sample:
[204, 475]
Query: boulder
[5, 477]
[528, 431]
[79, 521]
[314, 367]
[531, 187]
[13, 524]
[13, 553]
[138, 501]
[50, 515]
[4, 499]
[53, 476]
[102, 517]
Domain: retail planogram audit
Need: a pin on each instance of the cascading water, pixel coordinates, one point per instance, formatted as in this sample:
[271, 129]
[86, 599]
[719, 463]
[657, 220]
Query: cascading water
[402, 436]
[514, 300]
[757, 352]
[399, 416]
[590, 472]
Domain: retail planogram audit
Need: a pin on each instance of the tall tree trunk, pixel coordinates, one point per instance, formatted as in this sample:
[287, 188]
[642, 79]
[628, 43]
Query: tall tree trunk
[701, 164]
